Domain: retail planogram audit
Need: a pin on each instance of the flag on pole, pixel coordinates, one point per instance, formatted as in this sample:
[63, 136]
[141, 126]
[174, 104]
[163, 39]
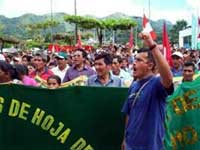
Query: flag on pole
[166, 45]
[147, 28]
[131, 38]
[79, 44]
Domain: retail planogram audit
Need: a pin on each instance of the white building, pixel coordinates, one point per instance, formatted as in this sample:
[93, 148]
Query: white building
[185, 38]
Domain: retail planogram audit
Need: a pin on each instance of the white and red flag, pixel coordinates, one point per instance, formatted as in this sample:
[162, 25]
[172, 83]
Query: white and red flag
[147, 28]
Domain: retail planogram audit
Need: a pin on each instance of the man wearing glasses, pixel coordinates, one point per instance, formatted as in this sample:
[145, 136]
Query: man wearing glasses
[145, 105]
[79, 68]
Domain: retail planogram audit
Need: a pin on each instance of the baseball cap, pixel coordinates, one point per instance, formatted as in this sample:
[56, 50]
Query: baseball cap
[179, 54]
[62, 55]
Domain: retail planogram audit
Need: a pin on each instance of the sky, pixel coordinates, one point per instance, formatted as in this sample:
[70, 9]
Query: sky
[171, 10]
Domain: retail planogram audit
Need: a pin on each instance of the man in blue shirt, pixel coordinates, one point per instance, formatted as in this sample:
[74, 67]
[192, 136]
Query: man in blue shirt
[177, 68]
[145, 105]
[103, 77]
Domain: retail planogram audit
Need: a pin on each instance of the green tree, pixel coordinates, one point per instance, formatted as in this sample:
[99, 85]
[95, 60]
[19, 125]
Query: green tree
[180, 25]
[38, 31]
[100, 25]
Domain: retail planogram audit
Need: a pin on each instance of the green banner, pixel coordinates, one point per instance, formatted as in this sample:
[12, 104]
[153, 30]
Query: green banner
[73, 118]
[183, 113]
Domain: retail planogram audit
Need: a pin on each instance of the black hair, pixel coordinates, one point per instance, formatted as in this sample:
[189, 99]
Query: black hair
[27, 57]
[8, 68]
[43, 56]
[21, 69]
[188, 64]
[107, 58]
[57, 78]
[84, 54]
[119, 59]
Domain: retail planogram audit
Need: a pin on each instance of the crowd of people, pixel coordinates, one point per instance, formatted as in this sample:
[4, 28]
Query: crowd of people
[145, 71]
[107, 66]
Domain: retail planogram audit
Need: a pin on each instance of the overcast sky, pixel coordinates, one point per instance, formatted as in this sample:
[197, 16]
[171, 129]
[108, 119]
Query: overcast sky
[171, 10]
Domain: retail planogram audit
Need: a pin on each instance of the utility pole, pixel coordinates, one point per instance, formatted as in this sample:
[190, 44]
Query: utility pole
[76, 29]
[149, 9]
[51, 2]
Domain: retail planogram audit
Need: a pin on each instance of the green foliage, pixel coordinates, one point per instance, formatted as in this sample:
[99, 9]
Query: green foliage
[30, 26]
[99, 24]
[84, 22]
[89, 23]
[174, 32]
[121, 24]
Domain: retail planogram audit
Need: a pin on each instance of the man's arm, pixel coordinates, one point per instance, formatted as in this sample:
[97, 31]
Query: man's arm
[161, 62]
[123, 142]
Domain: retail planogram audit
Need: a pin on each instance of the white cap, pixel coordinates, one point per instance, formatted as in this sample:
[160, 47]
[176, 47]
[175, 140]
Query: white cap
[179, 54]
[2, 57]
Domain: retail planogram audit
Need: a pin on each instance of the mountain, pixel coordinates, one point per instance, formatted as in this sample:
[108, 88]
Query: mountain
[15, 27]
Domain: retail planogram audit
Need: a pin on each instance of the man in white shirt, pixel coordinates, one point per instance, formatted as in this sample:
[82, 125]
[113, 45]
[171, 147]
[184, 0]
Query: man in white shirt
[62, 66]
[117, 71]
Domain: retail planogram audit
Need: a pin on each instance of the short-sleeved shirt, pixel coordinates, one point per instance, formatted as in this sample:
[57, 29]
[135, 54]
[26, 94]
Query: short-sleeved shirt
[177, 72]
[47, 73]
[112, 82]
[145, 127]
[73, 73]
[60, 73]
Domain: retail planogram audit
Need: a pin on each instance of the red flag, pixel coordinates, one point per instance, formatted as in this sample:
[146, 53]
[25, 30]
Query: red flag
[166, 45]
[79, 44]
[131, 38]
[147, 28]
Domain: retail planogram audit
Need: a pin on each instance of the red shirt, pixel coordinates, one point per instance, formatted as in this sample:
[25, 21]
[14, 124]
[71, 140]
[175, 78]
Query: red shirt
[47, 73]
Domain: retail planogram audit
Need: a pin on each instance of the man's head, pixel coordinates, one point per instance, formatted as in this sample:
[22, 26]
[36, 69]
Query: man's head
[7, 72]
[103, 63]
[116, 64]
[144, 64]
[79, 57]
[188, 71]
[61, 58]
[124, 63]
[40, 61]
[177, 58]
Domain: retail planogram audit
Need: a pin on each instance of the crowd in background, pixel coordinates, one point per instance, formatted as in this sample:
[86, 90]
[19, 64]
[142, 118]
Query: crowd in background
[109, 66]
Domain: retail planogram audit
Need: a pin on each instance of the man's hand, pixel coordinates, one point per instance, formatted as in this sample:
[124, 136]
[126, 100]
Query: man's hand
[146, 37]
[123, 145]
